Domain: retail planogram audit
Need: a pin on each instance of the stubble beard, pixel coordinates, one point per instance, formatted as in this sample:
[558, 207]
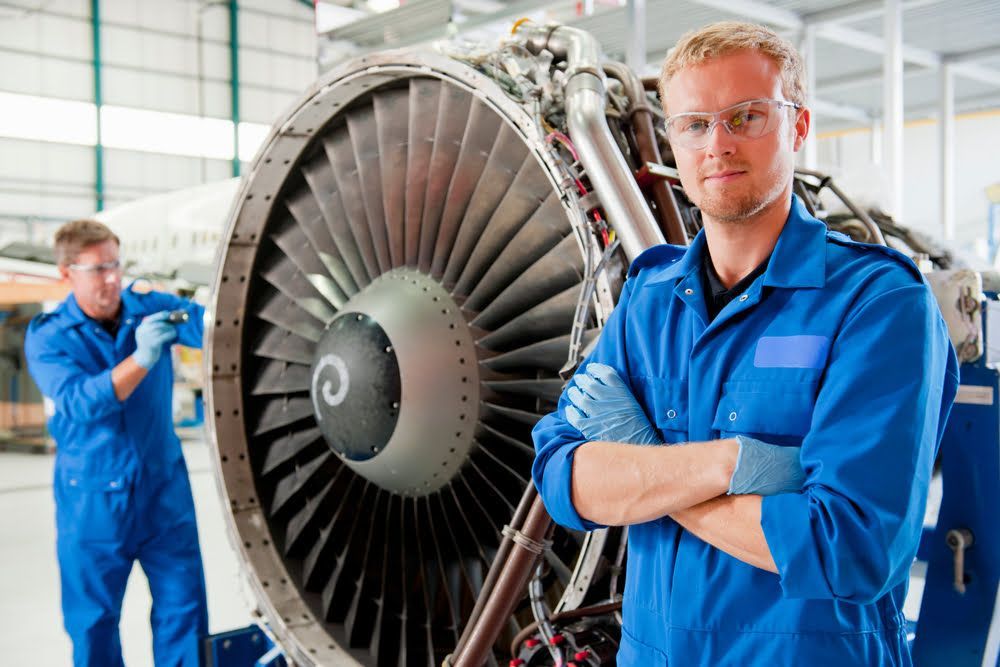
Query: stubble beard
[741, 209]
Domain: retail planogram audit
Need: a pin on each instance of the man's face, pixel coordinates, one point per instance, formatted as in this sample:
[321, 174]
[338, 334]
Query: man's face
[96, 285]
[732, 180]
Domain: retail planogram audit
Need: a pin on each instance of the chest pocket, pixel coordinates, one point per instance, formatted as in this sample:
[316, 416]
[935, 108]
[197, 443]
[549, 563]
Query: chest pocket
[775, 412]
[93, 352]
[666, 404]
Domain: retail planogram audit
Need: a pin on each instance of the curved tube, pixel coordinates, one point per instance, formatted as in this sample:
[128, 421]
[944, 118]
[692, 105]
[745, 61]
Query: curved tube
[510, 582]
[586, 99]
[827, 182]
[649, 151]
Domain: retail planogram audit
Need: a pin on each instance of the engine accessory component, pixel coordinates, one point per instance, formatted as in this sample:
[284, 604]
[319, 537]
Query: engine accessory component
[959, 295]
[590, 642]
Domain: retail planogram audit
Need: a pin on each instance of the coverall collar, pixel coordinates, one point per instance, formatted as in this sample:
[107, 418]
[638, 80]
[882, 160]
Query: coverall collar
[798, 259]
[71, 310]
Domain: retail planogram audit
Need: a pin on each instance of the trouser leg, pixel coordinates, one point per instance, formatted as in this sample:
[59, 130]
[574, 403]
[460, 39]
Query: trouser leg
[171, 558]
[93, 579]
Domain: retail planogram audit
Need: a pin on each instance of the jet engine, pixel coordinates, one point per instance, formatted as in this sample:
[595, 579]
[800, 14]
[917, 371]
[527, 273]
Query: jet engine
[419, 256]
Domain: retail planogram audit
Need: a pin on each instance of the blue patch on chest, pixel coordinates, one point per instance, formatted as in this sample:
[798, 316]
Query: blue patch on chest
[791, 352]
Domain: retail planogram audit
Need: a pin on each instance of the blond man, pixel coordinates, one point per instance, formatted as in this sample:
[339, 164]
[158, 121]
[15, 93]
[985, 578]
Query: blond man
[802, 382]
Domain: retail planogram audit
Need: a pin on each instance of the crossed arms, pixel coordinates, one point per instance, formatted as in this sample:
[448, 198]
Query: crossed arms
[621, 484]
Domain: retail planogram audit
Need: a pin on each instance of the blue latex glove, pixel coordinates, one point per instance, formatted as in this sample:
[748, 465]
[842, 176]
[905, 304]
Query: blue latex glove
[604, 409]
[766, 469]
[150, 336]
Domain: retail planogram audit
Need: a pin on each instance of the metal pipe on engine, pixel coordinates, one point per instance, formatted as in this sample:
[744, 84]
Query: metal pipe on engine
[480, 636]
[649, 150]
[586, 99]
[517, 521]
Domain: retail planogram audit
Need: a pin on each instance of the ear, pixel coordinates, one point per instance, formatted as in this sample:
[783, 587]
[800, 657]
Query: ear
[803, 120]
[63, 272]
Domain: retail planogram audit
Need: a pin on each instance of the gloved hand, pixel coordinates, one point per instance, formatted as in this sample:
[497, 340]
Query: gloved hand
[604, 409]
[150, 336]
[766, 469]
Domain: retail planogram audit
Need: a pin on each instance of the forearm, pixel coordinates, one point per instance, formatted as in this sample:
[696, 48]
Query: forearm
[126, 376]
[731, 524]
[620, 484]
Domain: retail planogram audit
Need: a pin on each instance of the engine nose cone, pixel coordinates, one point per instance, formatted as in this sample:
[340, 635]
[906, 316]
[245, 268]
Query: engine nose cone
[355, 386]
[395, 384]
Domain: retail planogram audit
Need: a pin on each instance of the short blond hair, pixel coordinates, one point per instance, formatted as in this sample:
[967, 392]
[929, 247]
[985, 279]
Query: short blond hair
[726, 37]
[74, 236]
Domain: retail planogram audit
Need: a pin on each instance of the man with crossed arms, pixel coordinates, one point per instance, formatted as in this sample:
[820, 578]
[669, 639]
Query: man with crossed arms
[808, 377]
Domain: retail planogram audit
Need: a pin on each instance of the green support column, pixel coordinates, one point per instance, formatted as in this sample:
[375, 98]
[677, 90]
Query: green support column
[234, 83]
[95, 22]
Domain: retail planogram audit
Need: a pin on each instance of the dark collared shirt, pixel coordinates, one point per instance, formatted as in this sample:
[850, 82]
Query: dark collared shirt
[111, 326]
[718, 295]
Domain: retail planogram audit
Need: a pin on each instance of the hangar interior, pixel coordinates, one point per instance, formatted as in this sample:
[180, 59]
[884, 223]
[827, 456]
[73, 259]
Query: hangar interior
[212, 135]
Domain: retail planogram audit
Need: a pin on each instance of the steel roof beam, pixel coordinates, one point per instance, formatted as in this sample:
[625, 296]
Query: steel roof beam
[756, 10]
[875, 44]
[857, 11]
[866, 78]
[966, 57]
[977, 73]
[914, 55]
[478, 6]
[842, 111]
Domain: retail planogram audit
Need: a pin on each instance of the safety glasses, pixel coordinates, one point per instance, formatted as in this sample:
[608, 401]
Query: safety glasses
[744, 121]
[97, 269]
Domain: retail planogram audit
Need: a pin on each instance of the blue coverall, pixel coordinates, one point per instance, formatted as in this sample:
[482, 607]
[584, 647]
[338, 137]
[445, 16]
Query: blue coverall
[838, 348]
[121, 485]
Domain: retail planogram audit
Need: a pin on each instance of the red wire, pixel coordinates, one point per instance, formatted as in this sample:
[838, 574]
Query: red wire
[565, 141]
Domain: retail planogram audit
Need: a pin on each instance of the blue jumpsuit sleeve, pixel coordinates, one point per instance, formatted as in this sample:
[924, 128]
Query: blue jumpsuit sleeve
[192, 332]
[556, 440]
[77, 394]
[853, 531]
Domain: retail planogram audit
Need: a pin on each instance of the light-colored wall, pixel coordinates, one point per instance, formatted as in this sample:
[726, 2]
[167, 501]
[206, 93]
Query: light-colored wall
[977, 165]
[150, 61]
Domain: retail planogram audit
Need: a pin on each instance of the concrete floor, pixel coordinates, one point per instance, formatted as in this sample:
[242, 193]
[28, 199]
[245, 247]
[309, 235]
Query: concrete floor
[31, 630]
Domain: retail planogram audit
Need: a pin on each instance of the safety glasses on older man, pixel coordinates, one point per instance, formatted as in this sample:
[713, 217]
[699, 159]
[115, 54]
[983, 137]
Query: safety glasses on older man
[113, 266]
[744, 121]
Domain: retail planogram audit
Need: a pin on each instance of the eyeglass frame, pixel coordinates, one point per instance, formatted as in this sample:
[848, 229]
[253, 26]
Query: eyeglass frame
[717, 120]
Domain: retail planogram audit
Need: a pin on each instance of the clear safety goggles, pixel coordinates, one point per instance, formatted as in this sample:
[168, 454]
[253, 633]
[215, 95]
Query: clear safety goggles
[97, 269]
[744, 121]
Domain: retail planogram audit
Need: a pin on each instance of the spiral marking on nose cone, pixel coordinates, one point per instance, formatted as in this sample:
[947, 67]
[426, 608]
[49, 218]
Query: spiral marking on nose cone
[329, 398]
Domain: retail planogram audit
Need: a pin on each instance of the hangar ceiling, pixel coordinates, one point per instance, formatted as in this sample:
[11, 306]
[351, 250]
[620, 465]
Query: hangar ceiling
[963, 34]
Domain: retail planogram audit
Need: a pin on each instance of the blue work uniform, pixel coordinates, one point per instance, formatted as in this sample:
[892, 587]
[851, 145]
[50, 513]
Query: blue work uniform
[839, 347]
[121, 485]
